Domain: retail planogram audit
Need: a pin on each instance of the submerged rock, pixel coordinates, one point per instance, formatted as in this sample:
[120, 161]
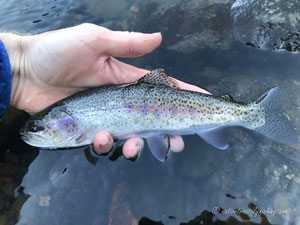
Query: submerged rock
[147, 221]
[188, 25]
[267, 24]
[120, 211]
[196, 25]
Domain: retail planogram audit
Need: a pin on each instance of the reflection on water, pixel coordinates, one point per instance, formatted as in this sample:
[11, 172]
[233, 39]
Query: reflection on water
[254, 182]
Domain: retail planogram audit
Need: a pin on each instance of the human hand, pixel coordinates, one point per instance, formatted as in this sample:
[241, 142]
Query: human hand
[52, 65]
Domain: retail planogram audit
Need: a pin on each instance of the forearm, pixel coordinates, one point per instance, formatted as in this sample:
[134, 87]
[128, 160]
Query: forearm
[15, 46]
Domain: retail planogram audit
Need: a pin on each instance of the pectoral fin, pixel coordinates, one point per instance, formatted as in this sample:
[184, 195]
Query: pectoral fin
[159, 146]
[216, 137]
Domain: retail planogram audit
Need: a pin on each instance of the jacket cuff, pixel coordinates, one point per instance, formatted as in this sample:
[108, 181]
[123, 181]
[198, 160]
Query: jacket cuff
[5, 79]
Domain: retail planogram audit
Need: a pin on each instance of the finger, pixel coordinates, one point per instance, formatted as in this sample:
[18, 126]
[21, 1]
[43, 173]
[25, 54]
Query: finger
[132, 147]
[176, 143]
[103, 142]
[190, 87]
[130, 44]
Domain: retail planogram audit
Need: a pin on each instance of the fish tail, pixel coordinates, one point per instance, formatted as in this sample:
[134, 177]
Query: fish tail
[276, 126]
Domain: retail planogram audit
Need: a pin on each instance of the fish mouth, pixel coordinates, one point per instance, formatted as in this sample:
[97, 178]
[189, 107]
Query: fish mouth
[30, 135]
[28, 140]
[32, 139]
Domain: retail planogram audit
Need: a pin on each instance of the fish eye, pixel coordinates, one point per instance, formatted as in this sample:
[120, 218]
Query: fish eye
[35, 126]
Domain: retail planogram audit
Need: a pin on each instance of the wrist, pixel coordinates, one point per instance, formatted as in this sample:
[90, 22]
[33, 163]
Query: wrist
[15, 46]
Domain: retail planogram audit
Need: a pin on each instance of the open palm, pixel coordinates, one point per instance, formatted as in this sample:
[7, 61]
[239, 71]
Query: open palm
[60, 63]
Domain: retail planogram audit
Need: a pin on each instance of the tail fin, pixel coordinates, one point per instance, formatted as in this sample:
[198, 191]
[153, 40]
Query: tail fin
[276, 127]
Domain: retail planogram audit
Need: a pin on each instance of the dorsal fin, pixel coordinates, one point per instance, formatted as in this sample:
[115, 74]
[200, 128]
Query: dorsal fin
[159, 77]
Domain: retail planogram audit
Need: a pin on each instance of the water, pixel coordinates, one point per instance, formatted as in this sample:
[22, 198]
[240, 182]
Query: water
[201, 46]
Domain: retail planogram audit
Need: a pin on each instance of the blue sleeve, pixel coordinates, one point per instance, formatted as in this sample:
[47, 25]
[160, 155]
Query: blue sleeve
[5, 79]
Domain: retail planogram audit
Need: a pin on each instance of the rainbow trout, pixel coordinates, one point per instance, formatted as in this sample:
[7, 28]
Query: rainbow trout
[153, 108]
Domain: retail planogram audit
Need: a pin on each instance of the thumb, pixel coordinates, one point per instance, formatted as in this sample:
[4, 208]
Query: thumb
[130, 44]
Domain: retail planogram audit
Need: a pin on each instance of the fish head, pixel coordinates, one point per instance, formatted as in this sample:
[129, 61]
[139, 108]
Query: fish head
[56, 128]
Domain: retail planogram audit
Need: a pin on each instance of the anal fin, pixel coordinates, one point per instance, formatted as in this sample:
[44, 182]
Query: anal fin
[159, 146]
[216, 137]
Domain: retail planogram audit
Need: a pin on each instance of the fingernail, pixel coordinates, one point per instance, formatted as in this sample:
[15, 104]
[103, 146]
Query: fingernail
[134, 153]
[103, 140]
[138, 148]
